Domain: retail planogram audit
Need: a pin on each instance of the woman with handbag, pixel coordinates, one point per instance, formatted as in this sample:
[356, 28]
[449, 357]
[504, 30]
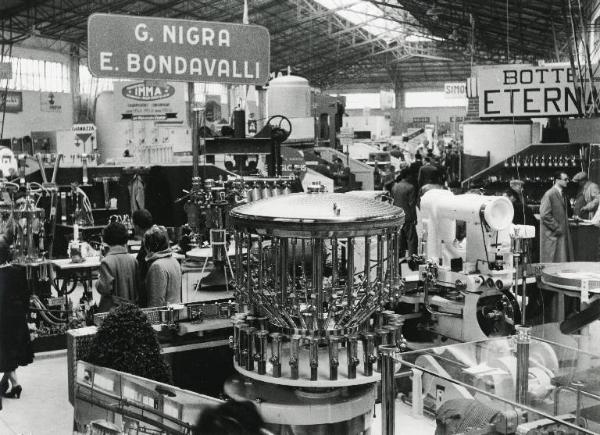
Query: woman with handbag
[118, 277]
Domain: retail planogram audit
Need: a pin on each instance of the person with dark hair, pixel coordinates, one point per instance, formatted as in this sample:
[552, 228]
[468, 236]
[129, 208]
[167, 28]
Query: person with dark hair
[118, 276]
[556, 245]
[428, 173]
[405, 196]
[231, 418]
[15, 342]
[163, 280]
[142, 222]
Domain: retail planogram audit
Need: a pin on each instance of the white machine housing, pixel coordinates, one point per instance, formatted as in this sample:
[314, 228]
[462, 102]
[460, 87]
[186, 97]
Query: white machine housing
[488, 221]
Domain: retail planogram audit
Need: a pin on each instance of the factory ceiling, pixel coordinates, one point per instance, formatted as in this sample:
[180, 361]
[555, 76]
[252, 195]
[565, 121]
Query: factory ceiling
[434, 40]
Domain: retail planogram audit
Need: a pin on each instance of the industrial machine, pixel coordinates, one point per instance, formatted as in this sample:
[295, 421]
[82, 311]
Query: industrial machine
[315, 273]
[467, 265]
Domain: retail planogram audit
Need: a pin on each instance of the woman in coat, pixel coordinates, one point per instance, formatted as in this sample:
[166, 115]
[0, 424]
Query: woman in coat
[15, 343]
[163, 280]
[118, 276]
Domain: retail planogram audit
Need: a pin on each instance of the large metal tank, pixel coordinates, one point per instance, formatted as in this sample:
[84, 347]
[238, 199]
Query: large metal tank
[290, 96]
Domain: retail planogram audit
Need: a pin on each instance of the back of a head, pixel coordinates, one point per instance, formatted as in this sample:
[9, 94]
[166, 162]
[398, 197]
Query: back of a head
[230, 418]
[156, 239]
[114, 234]
[142, 218]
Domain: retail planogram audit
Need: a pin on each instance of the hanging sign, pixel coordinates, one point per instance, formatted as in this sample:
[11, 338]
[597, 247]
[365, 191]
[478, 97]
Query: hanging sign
[150, 100]
[5, 70]
[128, 46]
[83, 131]
[529, 90]
[50, 102]
[11, 101]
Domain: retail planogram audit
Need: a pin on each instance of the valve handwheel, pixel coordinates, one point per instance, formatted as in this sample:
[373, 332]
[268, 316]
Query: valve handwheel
[281, 127]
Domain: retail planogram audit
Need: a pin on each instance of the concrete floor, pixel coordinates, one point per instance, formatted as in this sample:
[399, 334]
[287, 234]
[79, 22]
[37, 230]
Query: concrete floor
[44, 407]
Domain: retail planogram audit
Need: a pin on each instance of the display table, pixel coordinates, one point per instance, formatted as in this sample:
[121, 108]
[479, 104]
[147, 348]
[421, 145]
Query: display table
[68, 271]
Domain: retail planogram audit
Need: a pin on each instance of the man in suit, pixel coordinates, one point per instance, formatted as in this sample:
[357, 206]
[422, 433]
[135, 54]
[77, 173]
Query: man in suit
[428, 173]
[556, 244]
[405, 196]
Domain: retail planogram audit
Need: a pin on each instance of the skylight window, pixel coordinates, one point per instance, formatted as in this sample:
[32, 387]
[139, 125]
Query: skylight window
[370, 17]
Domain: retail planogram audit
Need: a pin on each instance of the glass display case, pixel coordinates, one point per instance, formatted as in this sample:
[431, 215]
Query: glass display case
[507, 385]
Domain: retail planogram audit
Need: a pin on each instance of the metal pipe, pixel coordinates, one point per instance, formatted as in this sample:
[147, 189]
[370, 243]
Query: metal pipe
[250, 347]
[261, 351]
[367, 261]
[369, 353]
[350, 274]
[249, 294]
[523, 339]
[388, 387]
[317, 279]
[314, 358]
[334, 263]
[295, 355]
[283, 278]
[382, 340]
[334, 361]
[352, 356]
[276, 354]
[380, 258]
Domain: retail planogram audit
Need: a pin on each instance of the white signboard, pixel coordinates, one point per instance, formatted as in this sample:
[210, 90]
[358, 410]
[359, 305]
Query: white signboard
[50, 102]
[455, 90]
[150, 100]
[133, 47]
[526, 90]
[84, 131]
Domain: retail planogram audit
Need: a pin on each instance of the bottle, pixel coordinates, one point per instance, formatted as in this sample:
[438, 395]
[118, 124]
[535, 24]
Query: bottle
[543, 160]
[536, 160]
[518, 161]
[506, 164]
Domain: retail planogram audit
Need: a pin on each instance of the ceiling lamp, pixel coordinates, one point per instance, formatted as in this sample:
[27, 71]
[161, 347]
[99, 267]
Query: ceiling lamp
[434, 11]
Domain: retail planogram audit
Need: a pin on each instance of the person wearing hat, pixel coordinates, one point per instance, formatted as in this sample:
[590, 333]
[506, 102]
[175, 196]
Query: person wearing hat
[586, 201]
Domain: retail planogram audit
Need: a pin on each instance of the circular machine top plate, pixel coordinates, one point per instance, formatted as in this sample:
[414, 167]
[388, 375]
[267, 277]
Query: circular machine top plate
[320, 212]
[572, 276]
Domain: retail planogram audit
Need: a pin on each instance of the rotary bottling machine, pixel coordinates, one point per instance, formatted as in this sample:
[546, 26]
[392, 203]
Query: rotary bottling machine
[467, 278]
[314, 275]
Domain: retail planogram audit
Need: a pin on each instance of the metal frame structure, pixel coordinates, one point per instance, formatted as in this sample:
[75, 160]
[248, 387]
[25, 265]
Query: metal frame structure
[328, 49]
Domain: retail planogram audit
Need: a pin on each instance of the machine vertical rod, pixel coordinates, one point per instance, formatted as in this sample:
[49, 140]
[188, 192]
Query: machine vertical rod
[380, 258]
[367, 261]
[350, 271]
[317, 275]
[388, 387]
[283, 281]
[523, 338]
[249, 274]
[334, 263]
[195, 138]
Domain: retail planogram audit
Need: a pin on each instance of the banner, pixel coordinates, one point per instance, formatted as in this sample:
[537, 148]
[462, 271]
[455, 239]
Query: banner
[132, 47]
[150, 100]
[528, 90]
[11, 101]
